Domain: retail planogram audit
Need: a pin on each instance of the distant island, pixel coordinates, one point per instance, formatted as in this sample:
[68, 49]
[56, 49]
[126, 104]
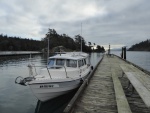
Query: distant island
[8, 43]
[142, 46]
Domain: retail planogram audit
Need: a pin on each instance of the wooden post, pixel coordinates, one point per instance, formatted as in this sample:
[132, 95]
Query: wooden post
[109, 50]
[125, 53]
[122, 53]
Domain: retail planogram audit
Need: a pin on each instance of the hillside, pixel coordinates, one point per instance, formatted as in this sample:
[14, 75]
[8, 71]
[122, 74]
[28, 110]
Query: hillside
[142, 46]
[8, 43]
[19, 44]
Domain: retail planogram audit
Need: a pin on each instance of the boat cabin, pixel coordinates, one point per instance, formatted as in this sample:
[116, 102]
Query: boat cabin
[66, 65]
[68, 61]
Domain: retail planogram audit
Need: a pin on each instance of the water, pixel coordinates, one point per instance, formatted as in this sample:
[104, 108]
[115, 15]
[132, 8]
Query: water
[15, 98]
[139, 58]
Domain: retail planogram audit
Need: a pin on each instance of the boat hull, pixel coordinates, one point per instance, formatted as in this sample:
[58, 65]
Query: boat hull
[49, 90]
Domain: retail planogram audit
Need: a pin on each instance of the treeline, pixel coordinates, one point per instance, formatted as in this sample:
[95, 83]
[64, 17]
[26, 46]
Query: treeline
[66, 41]
[18, 44]
[142, 46]
[55, 39]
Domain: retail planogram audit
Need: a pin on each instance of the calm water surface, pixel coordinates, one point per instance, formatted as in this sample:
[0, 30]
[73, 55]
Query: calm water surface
[15, 98]
[139, 58]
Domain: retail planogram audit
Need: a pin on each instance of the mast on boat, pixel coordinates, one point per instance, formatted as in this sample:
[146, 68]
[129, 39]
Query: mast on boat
[81, 37]
[48, 49]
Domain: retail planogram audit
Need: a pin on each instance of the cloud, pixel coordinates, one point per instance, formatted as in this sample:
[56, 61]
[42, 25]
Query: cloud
[103, 21]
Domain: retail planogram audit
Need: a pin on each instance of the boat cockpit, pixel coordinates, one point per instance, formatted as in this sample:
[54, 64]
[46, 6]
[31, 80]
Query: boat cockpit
[58, 63]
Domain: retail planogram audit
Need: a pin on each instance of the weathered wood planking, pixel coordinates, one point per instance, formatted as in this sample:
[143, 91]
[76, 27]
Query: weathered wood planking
[99, 96]
[140, 88]
[122, 103]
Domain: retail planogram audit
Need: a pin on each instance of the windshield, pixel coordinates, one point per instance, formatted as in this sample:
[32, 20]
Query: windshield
[71, 63]
[51, 62]
[60, 62]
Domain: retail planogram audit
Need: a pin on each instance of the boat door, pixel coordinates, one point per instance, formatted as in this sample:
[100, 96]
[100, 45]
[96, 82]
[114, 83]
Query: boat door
[82, 66]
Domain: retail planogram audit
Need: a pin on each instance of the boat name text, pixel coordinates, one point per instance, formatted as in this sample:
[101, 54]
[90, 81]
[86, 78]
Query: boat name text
[49, 85]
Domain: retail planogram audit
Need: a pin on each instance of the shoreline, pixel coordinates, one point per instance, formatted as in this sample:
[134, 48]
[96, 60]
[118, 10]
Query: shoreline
[14, 53]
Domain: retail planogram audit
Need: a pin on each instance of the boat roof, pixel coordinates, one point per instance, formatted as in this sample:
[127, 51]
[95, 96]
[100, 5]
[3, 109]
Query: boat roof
[70, 55]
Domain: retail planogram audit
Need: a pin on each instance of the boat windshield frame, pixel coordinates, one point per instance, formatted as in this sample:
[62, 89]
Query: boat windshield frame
[71, 63]
[54, 62]
[60, 62]
[51, 62]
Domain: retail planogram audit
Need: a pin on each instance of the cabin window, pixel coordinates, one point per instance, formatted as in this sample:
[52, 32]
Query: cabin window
[71, 63]
[51, 62]
[84, 61]
[80, 63]
[60, 62]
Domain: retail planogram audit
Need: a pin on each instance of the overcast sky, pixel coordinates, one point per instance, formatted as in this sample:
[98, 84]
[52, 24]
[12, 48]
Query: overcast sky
[118, 22]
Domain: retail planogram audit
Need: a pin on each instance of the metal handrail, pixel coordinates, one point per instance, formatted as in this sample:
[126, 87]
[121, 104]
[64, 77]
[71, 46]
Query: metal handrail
[66, 72]
[39, 66]
[30, 66]
[49, 73]
[35, 69]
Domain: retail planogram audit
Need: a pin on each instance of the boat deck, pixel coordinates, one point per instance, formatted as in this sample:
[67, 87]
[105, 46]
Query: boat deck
[106, 93]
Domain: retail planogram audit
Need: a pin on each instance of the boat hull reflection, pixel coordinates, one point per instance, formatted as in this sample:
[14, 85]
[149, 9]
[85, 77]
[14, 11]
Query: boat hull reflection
[56, 105]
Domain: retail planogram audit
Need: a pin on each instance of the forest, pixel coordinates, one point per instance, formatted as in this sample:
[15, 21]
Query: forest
[19, 44]
[8, 43]
[142, 46]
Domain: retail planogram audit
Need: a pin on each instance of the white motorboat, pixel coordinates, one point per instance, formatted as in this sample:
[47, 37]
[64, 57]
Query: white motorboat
[63, 73]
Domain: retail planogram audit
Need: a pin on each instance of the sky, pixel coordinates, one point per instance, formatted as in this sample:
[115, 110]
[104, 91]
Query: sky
[115, 22]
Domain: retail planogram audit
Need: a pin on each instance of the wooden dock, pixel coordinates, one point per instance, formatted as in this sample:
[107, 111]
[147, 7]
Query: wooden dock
[106, 91]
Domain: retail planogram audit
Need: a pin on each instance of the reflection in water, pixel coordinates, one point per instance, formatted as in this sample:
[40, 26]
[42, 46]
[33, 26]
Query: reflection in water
[56, 105]
[14, 60]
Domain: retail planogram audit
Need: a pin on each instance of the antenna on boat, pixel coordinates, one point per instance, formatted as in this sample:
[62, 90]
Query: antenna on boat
[60, 51]
[48, 49]
[81, 36]
[30, 56]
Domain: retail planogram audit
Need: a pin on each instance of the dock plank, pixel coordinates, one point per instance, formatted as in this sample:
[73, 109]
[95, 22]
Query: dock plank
[140, 88]
[144, 78]
[122, 103]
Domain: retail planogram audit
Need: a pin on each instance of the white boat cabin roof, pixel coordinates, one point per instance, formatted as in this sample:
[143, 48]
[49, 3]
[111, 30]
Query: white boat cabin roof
[70, 55]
